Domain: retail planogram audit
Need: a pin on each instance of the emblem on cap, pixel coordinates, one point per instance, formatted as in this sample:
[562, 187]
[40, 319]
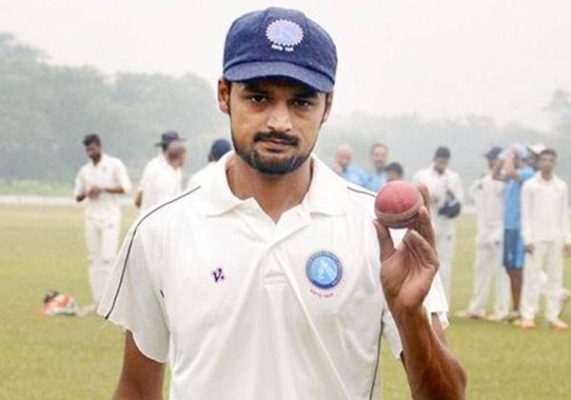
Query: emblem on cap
[324, 270]
[284, 34]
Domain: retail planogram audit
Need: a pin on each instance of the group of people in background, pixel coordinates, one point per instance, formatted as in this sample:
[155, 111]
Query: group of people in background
[521, 207]
[102, 180]
[523, 231]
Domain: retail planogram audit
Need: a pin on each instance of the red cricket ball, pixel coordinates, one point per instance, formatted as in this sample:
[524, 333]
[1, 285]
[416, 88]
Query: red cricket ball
[397, 204]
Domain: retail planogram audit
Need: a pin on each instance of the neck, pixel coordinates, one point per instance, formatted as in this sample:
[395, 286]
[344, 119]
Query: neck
[96, 159]
[546, 175]
[275, 195]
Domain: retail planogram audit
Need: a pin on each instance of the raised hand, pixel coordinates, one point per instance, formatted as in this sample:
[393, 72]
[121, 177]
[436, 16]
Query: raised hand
[408, 271]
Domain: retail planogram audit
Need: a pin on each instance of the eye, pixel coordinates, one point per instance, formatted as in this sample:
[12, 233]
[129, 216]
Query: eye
[302, 103]
[258, 98]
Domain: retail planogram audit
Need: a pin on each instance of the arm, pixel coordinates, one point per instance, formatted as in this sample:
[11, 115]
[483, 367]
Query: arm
[139, 199]
[79, 188]
[141, 377]
[497, 171]
[526, 219]
[566, 230]
[510, 169]
[433, 372]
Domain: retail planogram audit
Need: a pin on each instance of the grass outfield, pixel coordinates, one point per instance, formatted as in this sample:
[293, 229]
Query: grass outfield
[70, 358]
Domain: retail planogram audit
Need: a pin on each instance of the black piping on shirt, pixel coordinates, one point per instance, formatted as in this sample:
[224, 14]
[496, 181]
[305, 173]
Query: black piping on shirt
[361, 191]
[131, 244]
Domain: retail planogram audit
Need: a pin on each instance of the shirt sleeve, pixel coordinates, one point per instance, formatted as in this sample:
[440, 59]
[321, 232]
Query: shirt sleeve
[123, 177]
[566, 229]
[133, 298]
[79, 186]
[526, 210]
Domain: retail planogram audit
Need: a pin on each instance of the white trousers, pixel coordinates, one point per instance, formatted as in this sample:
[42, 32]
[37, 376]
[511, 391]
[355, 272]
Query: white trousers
[548, 257]
[101, 239]
[445, 236]
[487, 268]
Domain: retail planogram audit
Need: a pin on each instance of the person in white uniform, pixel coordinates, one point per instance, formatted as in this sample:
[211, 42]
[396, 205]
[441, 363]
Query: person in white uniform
[546, 235]
[218, 148]
[264, 282]
[156, 164]
[166, 181]
[488, 195]
[100, 183]
[446, 196]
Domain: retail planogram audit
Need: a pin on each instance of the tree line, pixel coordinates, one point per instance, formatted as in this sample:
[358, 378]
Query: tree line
[46, 109]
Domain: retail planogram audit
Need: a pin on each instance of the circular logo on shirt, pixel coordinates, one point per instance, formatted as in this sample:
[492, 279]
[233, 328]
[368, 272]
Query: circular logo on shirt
[284, 34]
[324, 270]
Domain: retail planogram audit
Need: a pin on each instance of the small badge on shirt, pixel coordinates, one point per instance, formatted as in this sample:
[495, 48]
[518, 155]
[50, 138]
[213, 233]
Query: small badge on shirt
[324, 270]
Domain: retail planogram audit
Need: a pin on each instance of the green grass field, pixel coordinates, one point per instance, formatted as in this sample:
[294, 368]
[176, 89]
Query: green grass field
[42, 248]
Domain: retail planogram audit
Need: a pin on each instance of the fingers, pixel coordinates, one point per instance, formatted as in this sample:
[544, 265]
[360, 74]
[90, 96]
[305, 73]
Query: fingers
[417, 244]
[385, 240]
[424, 226]
[423, 189]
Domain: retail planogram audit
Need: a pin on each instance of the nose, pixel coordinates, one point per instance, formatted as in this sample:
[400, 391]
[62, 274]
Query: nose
[280, 119]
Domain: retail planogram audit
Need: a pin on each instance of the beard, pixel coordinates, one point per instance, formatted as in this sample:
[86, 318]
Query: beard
[272, 166]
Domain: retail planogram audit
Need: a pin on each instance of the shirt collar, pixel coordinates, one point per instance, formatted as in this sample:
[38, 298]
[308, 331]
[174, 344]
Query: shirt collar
[327, 193]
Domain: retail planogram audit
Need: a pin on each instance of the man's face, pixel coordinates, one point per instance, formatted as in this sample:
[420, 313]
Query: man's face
[440, 164]
[546, 163]
[343, 156]
[379, 156]
[275, 122]
[393, 176]
[93, 151]
[491, 162]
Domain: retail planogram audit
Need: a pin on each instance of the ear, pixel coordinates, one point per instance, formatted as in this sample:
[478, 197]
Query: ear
[328, 105]
[223, 96]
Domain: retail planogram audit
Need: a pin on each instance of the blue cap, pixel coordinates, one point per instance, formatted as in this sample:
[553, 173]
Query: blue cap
[218, 149]
[278, 42]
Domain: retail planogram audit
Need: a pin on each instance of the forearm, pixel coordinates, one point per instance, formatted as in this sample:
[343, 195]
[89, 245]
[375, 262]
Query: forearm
[141, 378]
[114, 190]
[432, 370]
[129, 390]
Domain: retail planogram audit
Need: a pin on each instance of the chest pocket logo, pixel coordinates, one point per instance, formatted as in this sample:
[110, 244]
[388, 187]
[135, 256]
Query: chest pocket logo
[324, 270]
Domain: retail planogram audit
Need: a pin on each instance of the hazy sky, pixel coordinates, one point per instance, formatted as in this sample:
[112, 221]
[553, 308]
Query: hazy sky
[444, 58]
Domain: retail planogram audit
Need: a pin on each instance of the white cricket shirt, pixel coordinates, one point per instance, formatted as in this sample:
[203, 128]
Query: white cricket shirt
[161, 183]
[107, 173]
[489, 197]
[200, 175]
[437, 185]
[545, 210]
[244, 308]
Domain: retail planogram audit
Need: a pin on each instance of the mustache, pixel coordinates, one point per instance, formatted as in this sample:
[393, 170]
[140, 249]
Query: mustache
[282, 137]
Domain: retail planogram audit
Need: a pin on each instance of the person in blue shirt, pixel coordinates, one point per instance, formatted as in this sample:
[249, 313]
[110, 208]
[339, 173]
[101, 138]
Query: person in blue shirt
[513, 168]
[379, 156]
[343, 158]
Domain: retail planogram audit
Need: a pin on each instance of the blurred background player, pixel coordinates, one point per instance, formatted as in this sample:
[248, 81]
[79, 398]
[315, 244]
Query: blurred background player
[156, 163]
[512, 167]
[394, 172]
[218, 148]
[379, 156]
[342, 165]
[166, 181]
[546, 233]
[100, 182]
[447, 195]
[488, 195]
